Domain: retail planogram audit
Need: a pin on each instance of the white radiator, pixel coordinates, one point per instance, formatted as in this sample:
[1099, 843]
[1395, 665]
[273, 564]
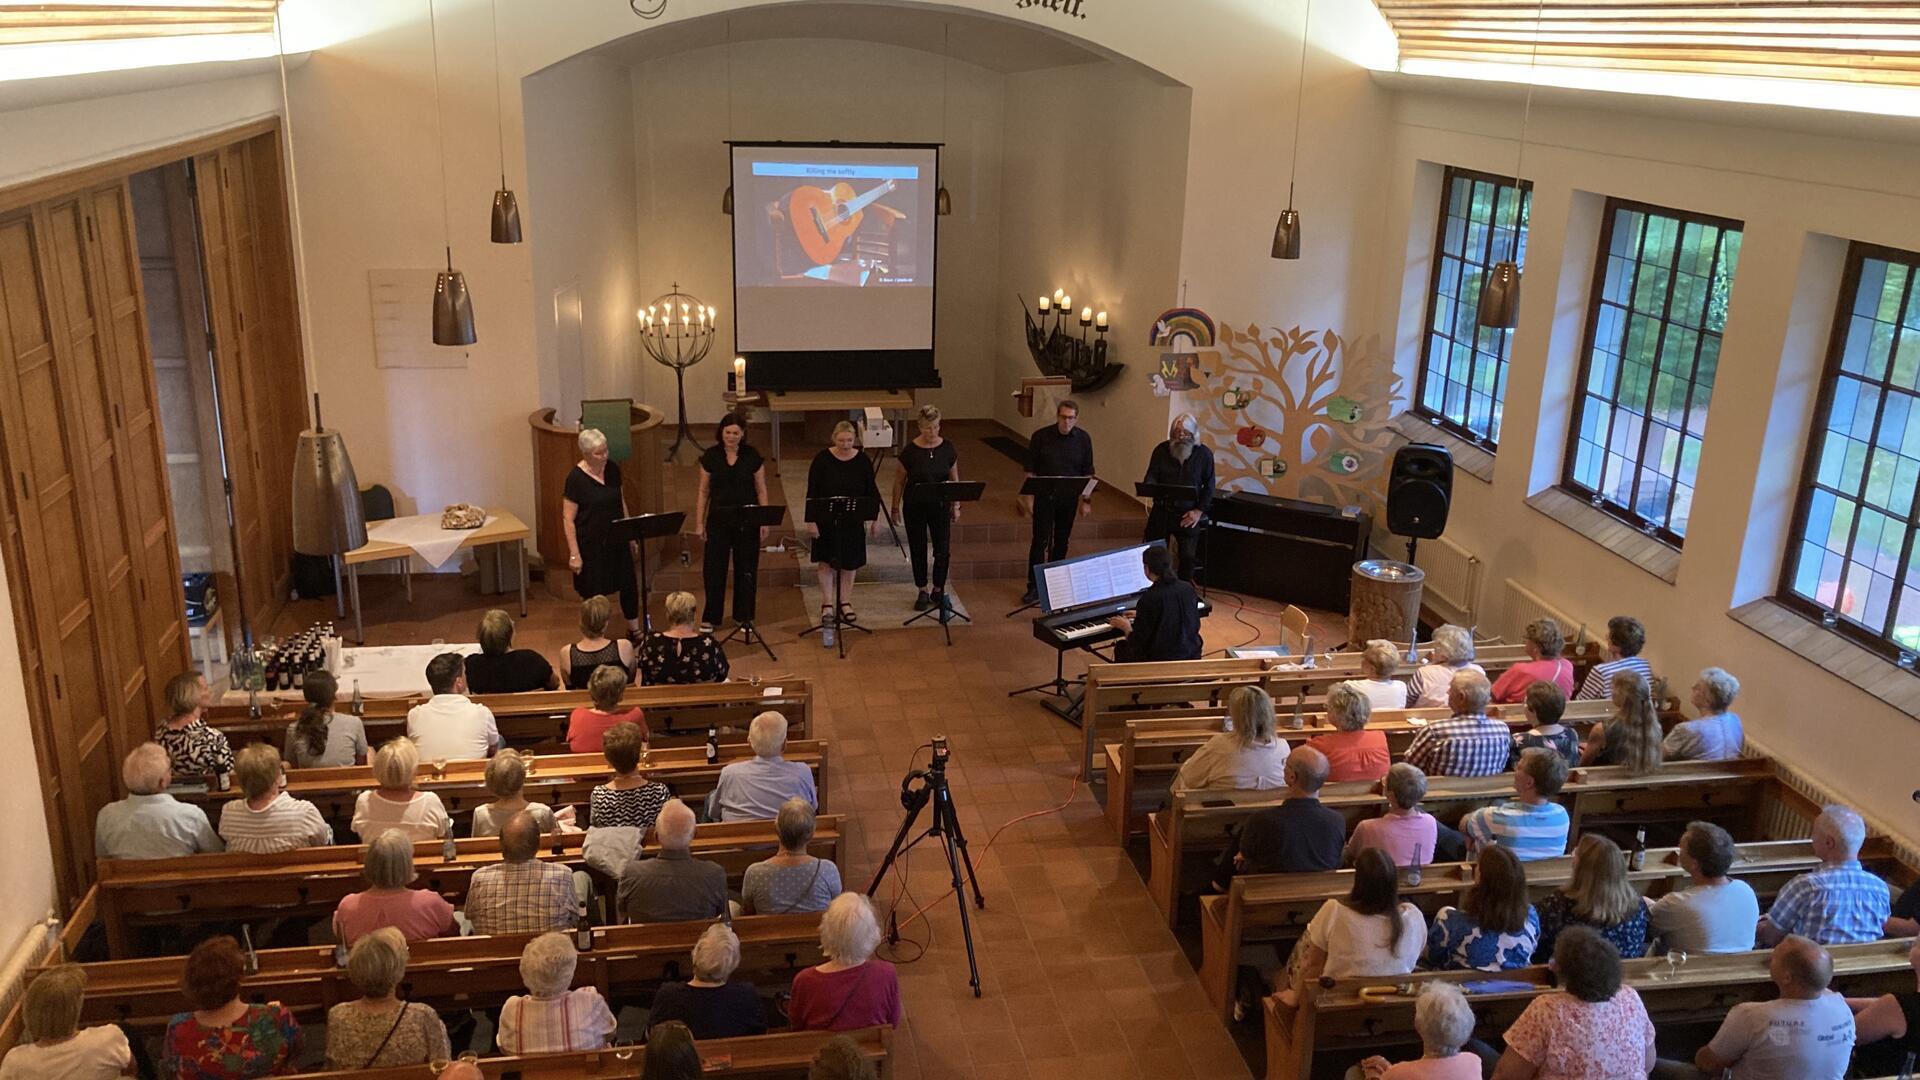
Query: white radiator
[1520, 605]
[33, 950]
[1453, 581]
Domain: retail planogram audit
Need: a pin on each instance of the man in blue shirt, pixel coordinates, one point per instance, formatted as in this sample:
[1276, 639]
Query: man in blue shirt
[1530, 824]
[149, 823]
[1839, 903]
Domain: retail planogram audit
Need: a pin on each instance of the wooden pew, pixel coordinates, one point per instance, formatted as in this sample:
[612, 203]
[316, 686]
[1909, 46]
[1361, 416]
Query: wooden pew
[1141, 766]
[676, 715]
[311, 881]
[1198, 823]
[783, 1055]
[1337, 1026]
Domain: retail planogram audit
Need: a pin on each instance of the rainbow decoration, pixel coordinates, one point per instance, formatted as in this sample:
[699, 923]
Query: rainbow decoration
[1192, 324]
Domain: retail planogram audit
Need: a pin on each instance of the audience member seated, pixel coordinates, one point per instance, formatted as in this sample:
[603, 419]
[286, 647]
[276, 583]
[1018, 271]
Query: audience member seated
[841, 1059]
[1806, 1033]
[1625, 638]
[629, 798]
[1886, 1028]
[587, 726]
[682, 653]
[224, 1037]
[396, 803]
[1444, 1021]
[390, 900]
[52, 1043]
[1543, 664]
[594, 649]
[1297, 836]
[1593, 1028]
[709, 1005]
[673, 886]
[149, 823]
[322, 738]
[521, 894]
[1370, 931]
[1839, 903]
[462, 1070]
[671, 1054]
[793, 880]
[1714, 913]
[267, 820]
[1450, 654]
[507, 780]
[552, 1018]
[1545, 706]
[1353, 752]
[755, 789]
[1405, 832]
[1468, 743]
[1494, 928]
[1378, 662]
[1717, 735]
[1631, 736]
[378, 1029]
[1598, 896]
[196, 749]
[1531, 824]
[1248, 756]
[851, 990]
[499, 668]
[449, 726]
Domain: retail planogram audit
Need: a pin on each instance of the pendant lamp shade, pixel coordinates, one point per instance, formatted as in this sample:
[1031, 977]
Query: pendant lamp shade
[327, 517]
[726, 202]
[452, 308]
[506, 216]
[942, 202]
[1500, 297]
[1286, 235]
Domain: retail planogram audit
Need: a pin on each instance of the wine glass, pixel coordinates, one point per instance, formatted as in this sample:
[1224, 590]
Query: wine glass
[439, 1065]
[1676, 959]
[624, 1051]
[439, 767]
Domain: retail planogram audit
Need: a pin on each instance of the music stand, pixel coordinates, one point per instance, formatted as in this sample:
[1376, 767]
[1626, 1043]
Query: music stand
[840, 512]
[1049, 487]
[1178, 493]
[639, 529]
[945, 493]
[731, 521]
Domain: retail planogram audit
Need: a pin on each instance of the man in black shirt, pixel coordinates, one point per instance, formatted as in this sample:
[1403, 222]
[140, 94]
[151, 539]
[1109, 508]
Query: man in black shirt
[1166, 618]
[1059, 449]
[1299, 836]
[1183, 461]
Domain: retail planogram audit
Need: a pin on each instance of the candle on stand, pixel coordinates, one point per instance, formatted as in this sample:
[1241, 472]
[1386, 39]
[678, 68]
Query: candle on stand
[1065, 304]
[1086, 316]
[1100, 321]
[1045, 303]
[740, 375]
[1058, 296]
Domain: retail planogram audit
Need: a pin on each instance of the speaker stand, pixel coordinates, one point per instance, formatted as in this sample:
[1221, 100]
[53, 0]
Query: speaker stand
[1413, 544]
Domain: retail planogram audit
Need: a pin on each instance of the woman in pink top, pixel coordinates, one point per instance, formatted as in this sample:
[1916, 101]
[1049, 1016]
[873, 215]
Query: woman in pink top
[1405, 832]
[1444, 1022]
[1353, 752]
[1544, 664]
[851, 990]
[418, 914]
[587, 728]
[1592, 1028]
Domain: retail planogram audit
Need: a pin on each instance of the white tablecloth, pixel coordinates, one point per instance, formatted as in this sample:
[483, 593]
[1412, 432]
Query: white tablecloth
[383, 671]
[422, 533]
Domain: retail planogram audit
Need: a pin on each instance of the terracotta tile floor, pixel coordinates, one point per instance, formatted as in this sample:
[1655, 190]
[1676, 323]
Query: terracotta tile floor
[1081, 977]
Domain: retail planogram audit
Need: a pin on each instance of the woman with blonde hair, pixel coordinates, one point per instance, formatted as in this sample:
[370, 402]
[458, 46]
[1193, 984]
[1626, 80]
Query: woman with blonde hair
[732, 474]
[928, 459]
[1353, 752]
[851, 989]
[1450, 654]
[507, 780]
[1597, 895]
[587, 726]
[390, 900]
[1247, 756]
[839, 471]
[52, 1042]
[1543, 664]
[594, 649]
[378, 1029]
[266, 820]
[590, 502]
[1379, 661]
[681, 653]
[1631, 737]
[197, 749]
[396, 803]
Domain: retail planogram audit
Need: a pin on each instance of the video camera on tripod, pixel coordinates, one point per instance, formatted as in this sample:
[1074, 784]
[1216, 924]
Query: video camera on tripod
[934, 775]
[917, 789]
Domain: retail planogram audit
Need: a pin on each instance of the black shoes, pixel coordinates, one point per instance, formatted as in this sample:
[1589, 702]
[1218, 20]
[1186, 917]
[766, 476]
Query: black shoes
[1031, 596]
[923, 601]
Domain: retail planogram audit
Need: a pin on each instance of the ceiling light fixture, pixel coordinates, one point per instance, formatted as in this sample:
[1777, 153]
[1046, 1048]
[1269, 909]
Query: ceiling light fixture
[1286, 234]
[942, 199]
[726, 200]
[506, 209]
[452, 305]
[1500, 293]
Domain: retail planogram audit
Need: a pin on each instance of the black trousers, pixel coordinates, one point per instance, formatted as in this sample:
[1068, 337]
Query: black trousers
[1165, 525]
[931, 521]
[743, 546]
[1052, 528]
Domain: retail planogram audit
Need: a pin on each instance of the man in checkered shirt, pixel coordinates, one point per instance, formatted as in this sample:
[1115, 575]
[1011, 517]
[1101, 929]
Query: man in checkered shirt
[521, 894]
[1840, 902]
[1469, 743]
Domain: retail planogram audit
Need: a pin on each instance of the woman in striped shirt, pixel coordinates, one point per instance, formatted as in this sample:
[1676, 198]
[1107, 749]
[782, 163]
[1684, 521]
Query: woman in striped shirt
[551, 1018]
[268, 820]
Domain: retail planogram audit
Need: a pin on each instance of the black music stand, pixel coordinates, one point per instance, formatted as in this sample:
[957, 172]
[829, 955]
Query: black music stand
[1050, 487]
[841, 512]
[1180, 493]
[732, 520]
[945, 493]
[639, 529]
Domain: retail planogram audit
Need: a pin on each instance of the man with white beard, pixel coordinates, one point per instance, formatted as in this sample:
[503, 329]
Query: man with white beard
[1181, 460]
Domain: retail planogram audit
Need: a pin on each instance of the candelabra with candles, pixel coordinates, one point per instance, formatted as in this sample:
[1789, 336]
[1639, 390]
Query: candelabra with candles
[677, 331]
[1056, 351]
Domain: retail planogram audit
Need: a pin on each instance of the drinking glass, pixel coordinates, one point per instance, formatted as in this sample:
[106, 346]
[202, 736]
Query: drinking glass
[1676, 959]
[439, 1065]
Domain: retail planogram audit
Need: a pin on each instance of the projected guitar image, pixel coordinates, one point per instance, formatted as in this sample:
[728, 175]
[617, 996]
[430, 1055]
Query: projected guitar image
[824, 219]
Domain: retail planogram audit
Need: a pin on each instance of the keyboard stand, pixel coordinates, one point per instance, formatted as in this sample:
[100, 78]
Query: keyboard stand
[1057, 688]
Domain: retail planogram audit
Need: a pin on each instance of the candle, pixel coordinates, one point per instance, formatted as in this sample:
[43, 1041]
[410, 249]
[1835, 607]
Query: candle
[1045, 303]
[1064, 303]
[1086, 316]
[713, 314]
[1100, 321]
[1058, 294]
[739, 374]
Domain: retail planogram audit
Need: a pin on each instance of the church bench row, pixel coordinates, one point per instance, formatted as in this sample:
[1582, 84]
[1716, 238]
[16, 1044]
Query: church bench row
[1197, 825]
[1336, 1026]
[783, 1055]
[311, 881]
[1141, 766]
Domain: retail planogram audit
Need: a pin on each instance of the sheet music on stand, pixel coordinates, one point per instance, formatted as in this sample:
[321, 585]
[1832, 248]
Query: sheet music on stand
[1091, 579]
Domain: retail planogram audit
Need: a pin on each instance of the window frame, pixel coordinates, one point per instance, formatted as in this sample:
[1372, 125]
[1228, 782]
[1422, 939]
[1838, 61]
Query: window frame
[1858, 252]
[1419, 408]
[1609, 217]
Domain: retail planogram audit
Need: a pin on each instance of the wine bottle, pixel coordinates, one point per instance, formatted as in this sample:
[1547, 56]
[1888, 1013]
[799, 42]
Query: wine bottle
[358, 704]
[583, 930]
[449, 851]
[1637, 859]
[713, 745]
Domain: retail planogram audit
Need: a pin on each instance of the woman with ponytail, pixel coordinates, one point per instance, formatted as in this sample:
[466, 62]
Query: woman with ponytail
[322, 738]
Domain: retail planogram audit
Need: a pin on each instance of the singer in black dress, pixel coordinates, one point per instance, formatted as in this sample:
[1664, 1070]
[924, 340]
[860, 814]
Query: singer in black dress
[928, 459]
[732, 473]
[841, 470]
[590, 503]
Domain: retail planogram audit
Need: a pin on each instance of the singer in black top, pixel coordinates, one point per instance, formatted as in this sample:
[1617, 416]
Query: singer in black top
[841, 470]
[1166, 618]
[589, 505]
[1059, 449]
[1181, 460]
[732, 473]
[928, 459]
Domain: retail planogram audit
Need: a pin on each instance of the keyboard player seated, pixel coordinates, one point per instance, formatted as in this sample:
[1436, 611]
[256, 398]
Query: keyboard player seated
[1166, 619]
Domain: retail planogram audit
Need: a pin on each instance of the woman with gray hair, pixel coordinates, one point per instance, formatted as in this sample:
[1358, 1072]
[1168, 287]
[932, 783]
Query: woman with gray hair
[52, 1042]
[1353, 752]
[390, 899]
[1405, 832]
[710, 1006]
[1379, 661]
[792, 881]
[506, 778]
[1717, 735]
[590, 503]
[1444, 1022]
[1247, 756]
[550, 1017]
[852, 989]
[378, 1029]
[1451, 653]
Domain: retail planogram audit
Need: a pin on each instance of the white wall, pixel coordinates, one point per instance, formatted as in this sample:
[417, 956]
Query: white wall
[55, 138]
[30, 886]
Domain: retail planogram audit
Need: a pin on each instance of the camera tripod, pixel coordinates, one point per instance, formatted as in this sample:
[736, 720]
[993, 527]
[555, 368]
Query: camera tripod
[945, 825]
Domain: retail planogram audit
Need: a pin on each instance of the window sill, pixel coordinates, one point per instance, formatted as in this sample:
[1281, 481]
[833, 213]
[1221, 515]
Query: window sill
[1471, 458]
[1609, 532]
[1807, 639]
